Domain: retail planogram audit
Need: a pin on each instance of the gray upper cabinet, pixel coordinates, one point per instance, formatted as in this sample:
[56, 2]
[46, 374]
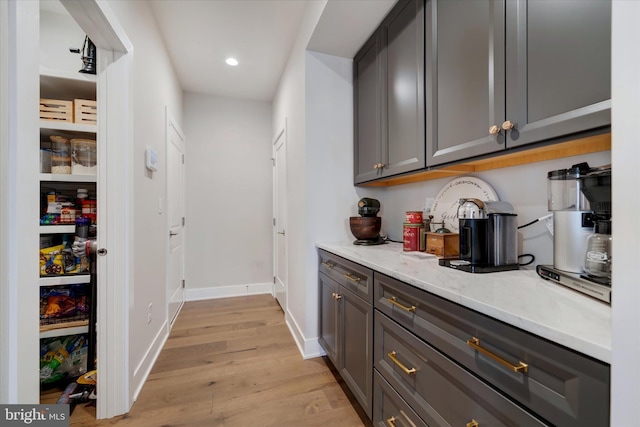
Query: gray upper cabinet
[367, 96]
[389, 96]
[465, 78]
[558, 68]
[502, 74]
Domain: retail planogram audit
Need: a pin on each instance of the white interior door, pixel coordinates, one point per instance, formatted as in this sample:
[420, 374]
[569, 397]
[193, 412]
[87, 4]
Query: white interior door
[175, 211]
[280, 217]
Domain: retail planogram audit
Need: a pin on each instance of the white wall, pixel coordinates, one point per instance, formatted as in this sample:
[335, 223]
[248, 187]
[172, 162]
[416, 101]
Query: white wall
[229, 196]
[625, 92]
[524, 186]
[155, 86]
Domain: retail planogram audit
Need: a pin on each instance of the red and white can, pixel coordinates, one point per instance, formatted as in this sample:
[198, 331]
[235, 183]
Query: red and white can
[414, 217]
[411, 236]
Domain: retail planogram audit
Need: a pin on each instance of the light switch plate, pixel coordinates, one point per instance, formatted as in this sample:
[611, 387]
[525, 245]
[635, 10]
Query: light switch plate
[151, 159]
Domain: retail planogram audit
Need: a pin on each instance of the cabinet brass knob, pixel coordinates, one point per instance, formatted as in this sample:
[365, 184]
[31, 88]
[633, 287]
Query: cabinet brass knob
[380, 165]
[376, 166]
[336, 296]
[508, 125]
[473, 423]
[391, 422]
[494, 130]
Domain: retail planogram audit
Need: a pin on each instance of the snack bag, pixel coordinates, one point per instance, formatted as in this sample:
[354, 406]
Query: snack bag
[51, 261]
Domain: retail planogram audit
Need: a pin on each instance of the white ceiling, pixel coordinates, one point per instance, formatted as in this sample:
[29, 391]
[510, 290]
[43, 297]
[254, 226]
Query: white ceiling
[201, 34]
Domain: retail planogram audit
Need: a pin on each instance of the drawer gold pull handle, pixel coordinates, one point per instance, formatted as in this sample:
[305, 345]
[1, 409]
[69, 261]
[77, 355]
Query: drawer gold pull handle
[394, 301]
[473, 423]
[352, 278]
[521, 367]
[391, 422]
[328, 264]
[395, 360]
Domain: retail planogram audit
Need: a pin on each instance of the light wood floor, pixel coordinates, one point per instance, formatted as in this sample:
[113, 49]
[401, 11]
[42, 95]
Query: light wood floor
[232, 362]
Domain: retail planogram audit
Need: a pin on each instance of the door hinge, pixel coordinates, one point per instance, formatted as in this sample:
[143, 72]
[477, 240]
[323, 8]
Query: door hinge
[183, 285]
[183, 221]
[273, 161]
[274, 279]
[274, 221]
[183, 159]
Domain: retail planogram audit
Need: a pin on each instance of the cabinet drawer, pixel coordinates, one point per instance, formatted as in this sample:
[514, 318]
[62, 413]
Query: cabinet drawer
[389, 408]
[439, 391]
[352, 276]
[560, 385]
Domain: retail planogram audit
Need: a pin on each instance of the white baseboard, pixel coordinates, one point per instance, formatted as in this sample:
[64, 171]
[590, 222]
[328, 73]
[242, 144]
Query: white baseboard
[309, 348]
[229, 291]
[143, 369]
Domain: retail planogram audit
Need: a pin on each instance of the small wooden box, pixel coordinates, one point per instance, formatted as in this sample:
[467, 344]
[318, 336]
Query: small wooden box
[85, 111]
[443, 244]
[56, 110]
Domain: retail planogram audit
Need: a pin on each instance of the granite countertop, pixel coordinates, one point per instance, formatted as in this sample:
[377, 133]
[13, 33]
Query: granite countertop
[520, 298]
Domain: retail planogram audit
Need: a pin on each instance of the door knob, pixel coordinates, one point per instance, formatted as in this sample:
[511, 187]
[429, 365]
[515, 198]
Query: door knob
[171, 233]
[281, 232]
[102, 251]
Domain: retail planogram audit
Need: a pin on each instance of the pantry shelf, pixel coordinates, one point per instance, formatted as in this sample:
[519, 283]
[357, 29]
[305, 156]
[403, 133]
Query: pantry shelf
[64, 329]
[52, 177]
[57, 229]
[65, 280]
[67, 126]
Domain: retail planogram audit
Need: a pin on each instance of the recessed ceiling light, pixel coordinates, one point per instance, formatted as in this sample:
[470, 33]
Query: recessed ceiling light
[232, 61]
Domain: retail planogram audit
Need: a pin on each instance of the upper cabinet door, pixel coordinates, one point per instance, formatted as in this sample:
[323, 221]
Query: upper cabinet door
[465, 78]
[403, 133]
[558, 68]
[367, 101]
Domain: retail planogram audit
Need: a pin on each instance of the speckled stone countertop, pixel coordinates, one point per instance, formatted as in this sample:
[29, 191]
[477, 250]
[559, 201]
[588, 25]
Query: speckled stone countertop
[520, 298]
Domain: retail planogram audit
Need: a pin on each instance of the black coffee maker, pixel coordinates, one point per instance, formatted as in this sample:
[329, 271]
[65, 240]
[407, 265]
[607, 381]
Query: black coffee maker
[488, 237]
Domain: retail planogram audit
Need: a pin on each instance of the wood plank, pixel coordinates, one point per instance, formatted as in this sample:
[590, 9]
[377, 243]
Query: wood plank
[232, 362]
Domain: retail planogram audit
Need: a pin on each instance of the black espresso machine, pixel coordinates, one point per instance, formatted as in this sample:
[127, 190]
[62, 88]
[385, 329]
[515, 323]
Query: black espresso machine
[488, 237]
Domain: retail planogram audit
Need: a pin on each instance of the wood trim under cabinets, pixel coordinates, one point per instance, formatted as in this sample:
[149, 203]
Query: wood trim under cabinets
[590, 144]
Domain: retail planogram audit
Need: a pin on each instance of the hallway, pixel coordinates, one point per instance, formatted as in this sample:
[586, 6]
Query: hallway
[232, 362]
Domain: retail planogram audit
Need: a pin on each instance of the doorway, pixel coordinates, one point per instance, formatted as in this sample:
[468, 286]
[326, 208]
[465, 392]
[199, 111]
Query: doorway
[176, 219]
[280, 217]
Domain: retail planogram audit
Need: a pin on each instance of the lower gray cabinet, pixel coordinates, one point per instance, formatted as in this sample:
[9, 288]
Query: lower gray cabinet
[389, 409]
[438, 390]
[346, 334]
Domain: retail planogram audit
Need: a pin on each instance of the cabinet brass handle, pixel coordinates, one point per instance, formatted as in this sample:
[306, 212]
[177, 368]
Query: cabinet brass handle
[394, 359]
[328, 264]
[352, 278]
[394, 301]
[475, 344]
[473, 423]
[391, 422]
[508, 125]
[494, 130]
[336, 296]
